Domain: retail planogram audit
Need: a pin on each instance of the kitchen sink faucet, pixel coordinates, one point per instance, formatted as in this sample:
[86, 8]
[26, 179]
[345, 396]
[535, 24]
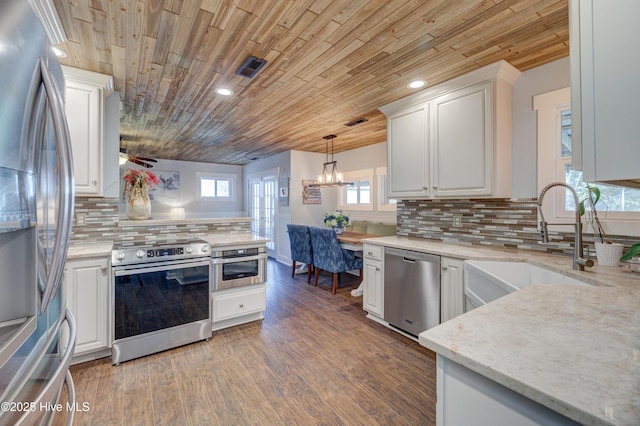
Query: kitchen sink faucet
[579, 262]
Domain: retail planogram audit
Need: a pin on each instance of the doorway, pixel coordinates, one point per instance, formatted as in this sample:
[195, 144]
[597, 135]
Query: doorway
[262, 198]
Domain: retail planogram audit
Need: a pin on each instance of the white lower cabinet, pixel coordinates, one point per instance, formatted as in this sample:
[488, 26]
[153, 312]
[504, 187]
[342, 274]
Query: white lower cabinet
[238, 305]
[86, 291]
[451, 288]
[465, 397]
[373, 296]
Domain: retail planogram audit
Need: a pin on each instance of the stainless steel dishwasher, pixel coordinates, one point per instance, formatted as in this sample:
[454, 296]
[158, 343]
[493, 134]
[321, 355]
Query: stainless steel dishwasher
[411, 290]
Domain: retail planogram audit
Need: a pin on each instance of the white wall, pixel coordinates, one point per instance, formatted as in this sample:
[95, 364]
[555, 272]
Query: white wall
[188, 194]
[545, 78]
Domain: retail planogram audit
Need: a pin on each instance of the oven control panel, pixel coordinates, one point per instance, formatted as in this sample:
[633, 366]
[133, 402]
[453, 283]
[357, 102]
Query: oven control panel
[131, 255]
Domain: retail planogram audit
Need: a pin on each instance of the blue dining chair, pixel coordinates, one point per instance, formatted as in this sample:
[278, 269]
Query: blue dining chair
[329, 256]
[300, 240]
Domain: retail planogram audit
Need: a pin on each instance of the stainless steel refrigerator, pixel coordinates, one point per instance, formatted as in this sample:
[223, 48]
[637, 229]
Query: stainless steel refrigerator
[36, 211]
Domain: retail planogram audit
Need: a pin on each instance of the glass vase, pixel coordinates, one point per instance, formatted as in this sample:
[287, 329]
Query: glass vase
[139, 205]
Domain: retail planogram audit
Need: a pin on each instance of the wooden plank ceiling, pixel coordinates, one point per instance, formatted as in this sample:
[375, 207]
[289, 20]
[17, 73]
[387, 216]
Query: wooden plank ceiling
[328, 62]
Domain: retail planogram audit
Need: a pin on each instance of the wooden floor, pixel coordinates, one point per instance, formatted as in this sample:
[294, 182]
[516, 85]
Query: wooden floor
[314, 359]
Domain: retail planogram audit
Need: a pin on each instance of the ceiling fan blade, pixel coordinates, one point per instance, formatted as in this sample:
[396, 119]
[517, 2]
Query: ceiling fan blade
[140, 163]
[145, 159]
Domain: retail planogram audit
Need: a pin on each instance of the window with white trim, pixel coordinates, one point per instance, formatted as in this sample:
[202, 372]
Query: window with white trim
[384, 204]
[618, 208]
[358, 196]
[217, 187]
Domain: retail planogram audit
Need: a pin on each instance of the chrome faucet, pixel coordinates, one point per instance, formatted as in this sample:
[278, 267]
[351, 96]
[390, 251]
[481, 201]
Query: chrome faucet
[579, 262]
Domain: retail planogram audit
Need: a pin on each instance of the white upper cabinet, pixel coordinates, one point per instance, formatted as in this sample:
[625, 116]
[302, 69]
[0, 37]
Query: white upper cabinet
[605, 90]
[453, 140]
[93, 117]
[408, 156]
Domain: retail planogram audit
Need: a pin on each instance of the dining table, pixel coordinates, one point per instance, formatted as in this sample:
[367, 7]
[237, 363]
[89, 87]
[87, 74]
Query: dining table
[353, 241]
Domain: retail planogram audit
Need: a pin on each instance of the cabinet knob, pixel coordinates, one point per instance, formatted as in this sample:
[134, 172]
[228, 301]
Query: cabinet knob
[444, 268]
[434, 187]
[369, 252]
[104, 271]
[242, 305]
[425, 188]
[377, 268]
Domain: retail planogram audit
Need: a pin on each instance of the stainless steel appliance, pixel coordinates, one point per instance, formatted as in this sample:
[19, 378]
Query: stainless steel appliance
[411, 290]
[36, 210]
[161, 297]
[237, 267]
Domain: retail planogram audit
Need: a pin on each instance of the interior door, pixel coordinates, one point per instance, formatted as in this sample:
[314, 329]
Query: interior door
[262, 207]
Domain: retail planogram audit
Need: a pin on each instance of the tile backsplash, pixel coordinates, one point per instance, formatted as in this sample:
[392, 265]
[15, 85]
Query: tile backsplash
[102, 224]
[501, 222]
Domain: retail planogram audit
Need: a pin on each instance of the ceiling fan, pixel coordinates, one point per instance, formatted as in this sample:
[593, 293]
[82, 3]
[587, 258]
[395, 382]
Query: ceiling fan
[141, 161]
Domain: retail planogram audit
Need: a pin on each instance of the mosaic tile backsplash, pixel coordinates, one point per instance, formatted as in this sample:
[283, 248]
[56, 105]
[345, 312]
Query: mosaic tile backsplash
[492, 222]
[501, 222]
[102, 225]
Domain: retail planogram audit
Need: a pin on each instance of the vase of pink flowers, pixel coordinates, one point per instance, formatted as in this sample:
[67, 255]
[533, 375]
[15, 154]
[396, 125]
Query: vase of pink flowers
[136, 193]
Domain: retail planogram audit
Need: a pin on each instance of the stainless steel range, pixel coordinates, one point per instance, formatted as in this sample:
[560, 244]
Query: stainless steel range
[160, 297]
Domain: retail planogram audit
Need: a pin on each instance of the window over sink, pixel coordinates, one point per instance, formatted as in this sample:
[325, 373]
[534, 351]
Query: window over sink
[618, 208]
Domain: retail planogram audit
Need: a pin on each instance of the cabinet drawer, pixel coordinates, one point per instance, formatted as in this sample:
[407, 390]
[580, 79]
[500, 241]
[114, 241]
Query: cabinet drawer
[237, 303]
[372, 252]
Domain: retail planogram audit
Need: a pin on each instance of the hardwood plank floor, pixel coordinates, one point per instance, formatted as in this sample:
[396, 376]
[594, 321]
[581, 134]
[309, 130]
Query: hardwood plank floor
[315, 359]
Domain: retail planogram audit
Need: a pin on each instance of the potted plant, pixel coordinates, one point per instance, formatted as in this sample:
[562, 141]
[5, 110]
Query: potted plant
[337, 220]
[607, 253]
[634, 250]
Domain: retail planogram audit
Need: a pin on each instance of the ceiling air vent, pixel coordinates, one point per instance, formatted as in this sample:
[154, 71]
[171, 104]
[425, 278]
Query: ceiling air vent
[356, 122]
[251, 67]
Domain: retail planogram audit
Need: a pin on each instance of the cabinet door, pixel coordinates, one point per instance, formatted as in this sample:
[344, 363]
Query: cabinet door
[451, 288]
[83, 111]
[461, 141]
[372, 300]
[86, 291]
[605, 88]
[408, 154]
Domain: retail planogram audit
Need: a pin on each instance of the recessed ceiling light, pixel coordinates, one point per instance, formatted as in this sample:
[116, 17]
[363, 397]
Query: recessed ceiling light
[416, 84]
[59, 52]
[224, 92]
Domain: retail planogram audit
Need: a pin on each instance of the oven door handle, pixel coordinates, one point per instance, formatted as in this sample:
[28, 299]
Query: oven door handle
[221, 261]
[128, 270]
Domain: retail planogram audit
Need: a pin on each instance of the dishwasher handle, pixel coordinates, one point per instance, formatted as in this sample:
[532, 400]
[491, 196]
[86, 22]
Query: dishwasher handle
[412, 256]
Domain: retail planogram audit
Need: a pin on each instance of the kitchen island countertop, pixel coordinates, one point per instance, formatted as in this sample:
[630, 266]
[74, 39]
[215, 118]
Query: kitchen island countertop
[573, 349]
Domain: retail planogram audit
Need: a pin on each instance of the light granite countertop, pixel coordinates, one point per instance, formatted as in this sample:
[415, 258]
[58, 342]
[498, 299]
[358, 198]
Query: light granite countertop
[573, 349]
[88, 250]
[233, 239]
[82, 250]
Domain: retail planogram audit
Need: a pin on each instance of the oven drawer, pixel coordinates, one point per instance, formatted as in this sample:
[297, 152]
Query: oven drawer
[238, 302]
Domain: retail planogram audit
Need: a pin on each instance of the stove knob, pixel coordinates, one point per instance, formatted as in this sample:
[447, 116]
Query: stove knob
[188, 249]
[140, 254]
[120, 255]
[205, 249]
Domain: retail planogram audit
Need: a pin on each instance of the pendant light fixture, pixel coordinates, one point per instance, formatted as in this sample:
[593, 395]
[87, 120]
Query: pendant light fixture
[330, 176]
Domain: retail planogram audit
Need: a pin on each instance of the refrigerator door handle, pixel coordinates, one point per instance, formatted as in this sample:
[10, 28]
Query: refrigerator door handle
[71, 391]
[53, 386]
[65, 169]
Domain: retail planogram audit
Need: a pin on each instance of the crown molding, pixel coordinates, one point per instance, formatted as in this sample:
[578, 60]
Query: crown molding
[48, 16]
